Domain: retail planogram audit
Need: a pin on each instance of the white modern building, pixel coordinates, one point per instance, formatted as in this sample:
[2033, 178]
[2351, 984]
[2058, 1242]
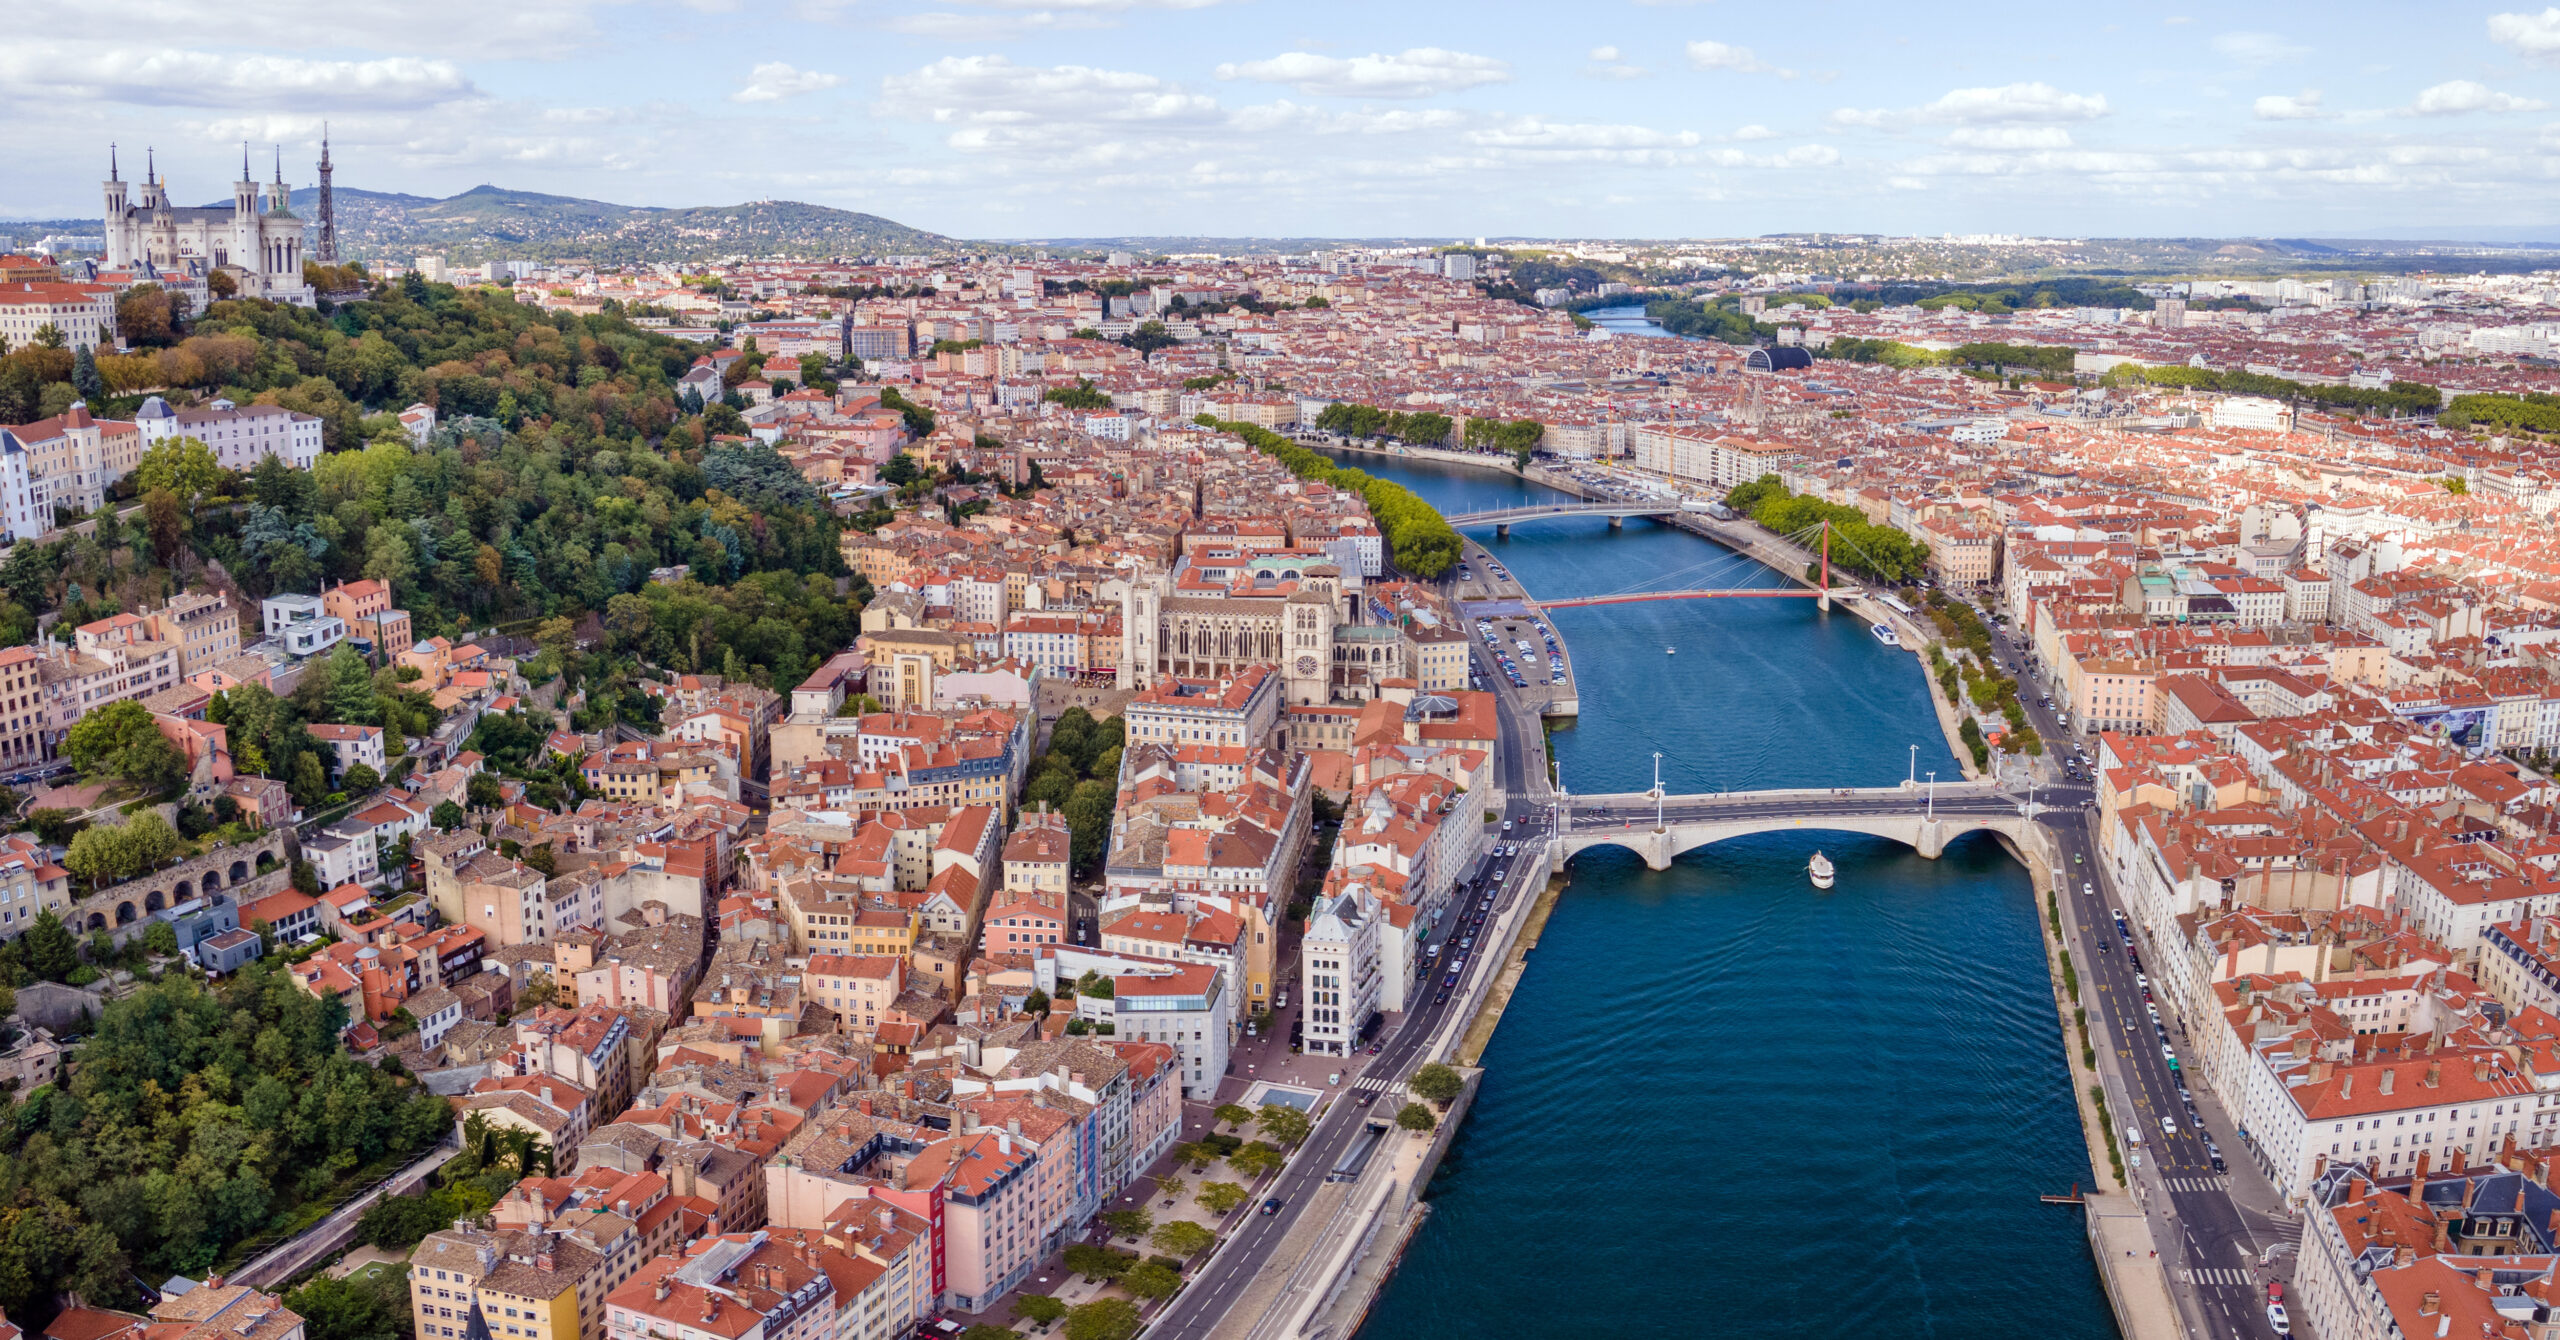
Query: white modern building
[1342, 971]
[300, 625]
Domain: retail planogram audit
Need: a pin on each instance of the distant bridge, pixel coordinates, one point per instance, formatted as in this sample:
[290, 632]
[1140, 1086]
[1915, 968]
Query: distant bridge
[1659, 828]
[1502, 519]
[1742, 592]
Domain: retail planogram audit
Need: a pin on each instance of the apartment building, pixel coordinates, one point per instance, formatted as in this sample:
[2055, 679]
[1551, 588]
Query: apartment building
[468, 1283]
[240, 436]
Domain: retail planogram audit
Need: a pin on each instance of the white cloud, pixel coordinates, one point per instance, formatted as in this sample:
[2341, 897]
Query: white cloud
[2536, 37]
[1802, 155]
[2462, 96]
[774, 81]
[2256, 50]
[2303, 106]
[1706, 55]
[991, 99]
[1754, 131]
[1417, 73]
[1532, 136]
[169, 76]
[1604, 54]
[2010, 137]
[508, 29]
[2009, 103]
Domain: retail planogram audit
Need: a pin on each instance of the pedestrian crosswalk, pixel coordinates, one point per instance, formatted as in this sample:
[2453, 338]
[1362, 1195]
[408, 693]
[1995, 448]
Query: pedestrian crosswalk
[2222, 1275]
[1374, 1083]
[2198, 1183]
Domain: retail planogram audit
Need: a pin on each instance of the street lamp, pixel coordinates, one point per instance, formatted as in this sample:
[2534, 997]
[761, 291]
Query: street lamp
[1912, 778]
[1657, 791]
[1933, 797]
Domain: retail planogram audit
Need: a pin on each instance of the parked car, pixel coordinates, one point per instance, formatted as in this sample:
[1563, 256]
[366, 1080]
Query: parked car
[2282, 1324]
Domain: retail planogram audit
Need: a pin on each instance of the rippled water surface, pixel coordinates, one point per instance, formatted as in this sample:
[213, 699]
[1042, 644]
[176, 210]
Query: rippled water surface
[1724, 1102]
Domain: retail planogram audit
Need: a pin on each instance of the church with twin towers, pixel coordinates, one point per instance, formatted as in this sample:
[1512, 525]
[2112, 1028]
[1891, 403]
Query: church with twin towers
[260, 244]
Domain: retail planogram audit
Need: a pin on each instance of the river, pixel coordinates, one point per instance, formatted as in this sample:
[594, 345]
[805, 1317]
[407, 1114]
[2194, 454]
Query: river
[1724, 1102]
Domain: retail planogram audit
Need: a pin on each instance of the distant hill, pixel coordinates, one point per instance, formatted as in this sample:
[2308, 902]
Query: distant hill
[492, 223]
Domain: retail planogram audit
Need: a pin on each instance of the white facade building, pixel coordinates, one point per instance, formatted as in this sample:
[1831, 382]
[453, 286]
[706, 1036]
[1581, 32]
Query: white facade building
[239, 436]
[1342, 971]
[261, 248]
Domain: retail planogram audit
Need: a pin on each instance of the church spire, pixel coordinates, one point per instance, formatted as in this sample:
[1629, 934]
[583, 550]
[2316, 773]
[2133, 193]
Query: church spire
[244, 162]
[111, 162]
[279, 165]
[150, 164]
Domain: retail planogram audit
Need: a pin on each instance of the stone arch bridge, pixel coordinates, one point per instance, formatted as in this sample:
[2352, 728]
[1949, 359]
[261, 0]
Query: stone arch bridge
[1910, 815]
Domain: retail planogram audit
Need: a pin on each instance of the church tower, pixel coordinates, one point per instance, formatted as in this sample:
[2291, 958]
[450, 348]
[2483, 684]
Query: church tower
[119, 248]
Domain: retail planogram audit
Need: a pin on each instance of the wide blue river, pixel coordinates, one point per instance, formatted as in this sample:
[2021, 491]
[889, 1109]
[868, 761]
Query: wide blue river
[1724, 1103]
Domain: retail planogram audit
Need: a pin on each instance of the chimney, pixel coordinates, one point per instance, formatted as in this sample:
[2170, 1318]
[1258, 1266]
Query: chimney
[2444, 1236]
[2405, 1257]
[2389, 1076]
[2480, 1069]
[2435, 1076]
[2427, 1304]
[888, 1220]
[710, 1307]
[2346, 1084]
[2461, 1162]
[660, 1292]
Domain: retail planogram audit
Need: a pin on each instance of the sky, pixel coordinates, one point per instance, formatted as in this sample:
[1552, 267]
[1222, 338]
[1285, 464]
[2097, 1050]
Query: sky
[1431, 118]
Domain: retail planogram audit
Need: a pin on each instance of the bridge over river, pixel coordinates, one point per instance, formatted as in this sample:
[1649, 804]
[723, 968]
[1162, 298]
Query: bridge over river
[1658, 827]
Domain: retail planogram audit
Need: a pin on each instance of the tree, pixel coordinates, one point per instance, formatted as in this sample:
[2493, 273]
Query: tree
[1131, 1223]
[1083, 395]
[1038, 1308]
[1103, 1319]
[1182, 1238]
[309, 782]
[540, 991]
[111, 853]
[483, 791]
[370, 1304]
[360, 779]
[84, 374]
[183, 465]
[165, 518]
[121, 740]
[1233, 1115]
[161, 938]
[1151, 1279]
[1219, 1197]
[1284, 1125]
[1096, 1262]
[1036, 1004]
[987, 1330]
[52, 953]
[1088, 814]
[1255, 1159]
[221, 285]
[55, 827]
[1438, 1083]
[350, 687]
[1416, 1117]
[446, 816]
